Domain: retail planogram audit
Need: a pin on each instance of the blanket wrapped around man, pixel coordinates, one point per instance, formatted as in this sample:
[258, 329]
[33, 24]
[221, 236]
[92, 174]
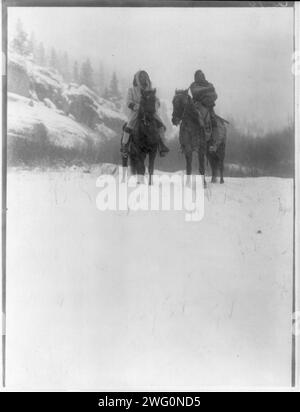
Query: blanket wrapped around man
[205, 96]
[203, 91]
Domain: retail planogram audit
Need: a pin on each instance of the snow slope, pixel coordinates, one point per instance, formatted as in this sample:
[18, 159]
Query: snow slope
[62, 130]
[73, 116]
[105, 109]
[117, 300]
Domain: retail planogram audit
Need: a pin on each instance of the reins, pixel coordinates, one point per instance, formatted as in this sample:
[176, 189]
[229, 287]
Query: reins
[184, 110]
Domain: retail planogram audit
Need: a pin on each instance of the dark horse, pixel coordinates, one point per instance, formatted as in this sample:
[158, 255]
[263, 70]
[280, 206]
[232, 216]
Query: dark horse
[145, 136]
[191, 134]
[204, 139]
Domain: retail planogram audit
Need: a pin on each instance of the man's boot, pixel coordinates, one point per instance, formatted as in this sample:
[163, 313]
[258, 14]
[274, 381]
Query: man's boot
[125, 141]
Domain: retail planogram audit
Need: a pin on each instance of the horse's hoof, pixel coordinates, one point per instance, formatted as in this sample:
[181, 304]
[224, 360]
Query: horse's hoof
[213, 180]
[222, 181]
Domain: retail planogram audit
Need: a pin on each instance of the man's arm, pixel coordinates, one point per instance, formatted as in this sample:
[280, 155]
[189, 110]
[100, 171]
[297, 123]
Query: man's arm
[131, 104]
[196, 89]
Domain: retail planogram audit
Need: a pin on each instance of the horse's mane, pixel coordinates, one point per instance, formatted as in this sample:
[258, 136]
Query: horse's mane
[181, 91]
[190, 108]
[148, 100]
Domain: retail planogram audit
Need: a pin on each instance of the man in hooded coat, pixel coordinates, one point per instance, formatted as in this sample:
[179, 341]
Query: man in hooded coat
[204, 93]
[141, 81]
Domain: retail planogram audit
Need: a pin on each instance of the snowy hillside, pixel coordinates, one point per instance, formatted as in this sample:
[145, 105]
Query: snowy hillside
[61, 130]
[72, 117]
[118, 300]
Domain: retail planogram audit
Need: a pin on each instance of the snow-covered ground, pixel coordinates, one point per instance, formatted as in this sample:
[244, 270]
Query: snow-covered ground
[116, 300]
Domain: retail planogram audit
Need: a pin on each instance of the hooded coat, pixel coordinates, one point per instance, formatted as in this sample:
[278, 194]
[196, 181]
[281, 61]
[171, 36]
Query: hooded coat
[203, 91]
[134, 98]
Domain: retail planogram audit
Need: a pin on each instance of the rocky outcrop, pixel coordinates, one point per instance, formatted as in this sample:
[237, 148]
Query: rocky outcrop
[51, 121]
[88, 108]
[46, 85]
[17, 78]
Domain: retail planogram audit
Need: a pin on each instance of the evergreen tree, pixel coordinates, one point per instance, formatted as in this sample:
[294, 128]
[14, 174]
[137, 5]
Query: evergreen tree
[60, 63]
[101, 79]
[106, 94]
[32, 46]
[75, 77]
[48, 57]
[65, 68]
[40, 55]
[114, 91]
[86, 74]
[20, 42]
[53, 59]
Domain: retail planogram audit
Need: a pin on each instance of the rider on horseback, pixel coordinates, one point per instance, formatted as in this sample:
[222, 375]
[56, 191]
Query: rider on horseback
[204, 94]
[141, 82]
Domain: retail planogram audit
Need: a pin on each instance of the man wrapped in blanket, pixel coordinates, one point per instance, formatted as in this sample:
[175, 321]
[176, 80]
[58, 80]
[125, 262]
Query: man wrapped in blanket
[204, 94]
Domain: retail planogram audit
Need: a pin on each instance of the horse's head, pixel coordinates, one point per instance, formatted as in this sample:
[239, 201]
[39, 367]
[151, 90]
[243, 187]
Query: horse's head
[148, 102]
[180, 100]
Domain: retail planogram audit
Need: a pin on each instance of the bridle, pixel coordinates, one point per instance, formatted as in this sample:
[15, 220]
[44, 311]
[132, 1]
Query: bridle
[185, 106]
[186, 92]
[143, 118]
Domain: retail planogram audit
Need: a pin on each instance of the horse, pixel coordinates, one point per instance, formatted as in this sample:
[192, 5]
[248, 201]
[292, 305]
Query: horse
[192, 136]
[216, 150]
[145, 136]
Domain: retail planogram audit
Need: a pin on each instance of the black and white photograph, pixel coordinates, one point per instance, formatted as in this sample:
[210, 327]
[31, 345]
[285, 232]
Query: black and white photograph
[149, 196]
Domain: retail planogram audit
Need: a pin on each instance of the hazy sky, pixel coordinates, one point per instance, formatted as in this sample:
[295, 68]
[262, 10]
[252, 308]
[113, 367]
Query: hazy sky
[246, 53]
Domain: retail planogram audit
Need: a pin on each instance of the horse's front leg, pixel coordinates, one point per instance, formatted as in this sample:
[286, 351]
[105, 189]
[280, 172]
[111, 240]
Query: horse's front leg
[201, 159]
[140, 167]
[214, 167]
[152, 156]
[188, 159]
[221, 170]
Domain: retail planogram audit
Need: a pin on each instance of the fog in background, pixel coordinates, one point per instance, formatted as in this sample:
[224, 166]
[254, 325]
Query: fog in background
[246, 53]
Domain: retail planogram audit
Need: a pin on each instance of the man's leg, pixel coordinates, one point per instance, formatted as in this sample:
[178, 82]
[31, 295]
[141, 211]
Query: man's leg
[125, 145]
[199, 109]
[213, 118]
